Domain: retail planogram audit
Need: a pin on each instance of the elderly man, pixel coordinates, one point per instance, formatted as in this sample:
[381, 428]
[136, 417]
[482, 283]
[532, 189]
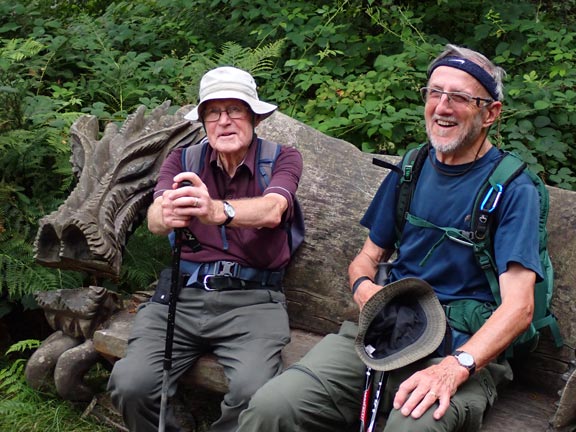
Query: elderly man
[452, 389]
[232, 303]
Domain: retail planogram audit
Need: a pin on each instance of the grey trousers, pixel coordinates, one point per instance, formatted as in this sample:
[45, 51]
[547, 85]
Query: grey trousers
[245, 329]
[323, 392]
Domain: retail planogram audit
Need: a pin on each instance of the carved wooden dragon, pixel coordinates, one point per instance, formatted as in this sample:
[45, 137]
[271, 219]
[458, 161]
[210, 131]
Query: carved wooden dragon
[116, 176]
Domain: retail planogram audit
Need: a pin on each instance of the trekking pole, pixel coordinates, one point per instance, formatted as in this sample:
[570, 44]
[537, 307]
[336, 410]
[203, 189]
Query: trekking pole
[170, 323]
[366, 399]
[376, 403]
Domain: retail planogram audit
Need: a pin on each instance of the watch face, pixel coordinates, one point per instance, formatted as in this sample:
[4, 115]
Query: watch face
[229, 210]
[465, 359]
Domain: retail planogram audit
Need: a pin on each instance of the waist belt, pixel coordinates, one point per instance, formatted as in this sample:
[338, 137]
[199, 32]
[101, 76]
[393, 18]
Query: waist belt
[229, 275]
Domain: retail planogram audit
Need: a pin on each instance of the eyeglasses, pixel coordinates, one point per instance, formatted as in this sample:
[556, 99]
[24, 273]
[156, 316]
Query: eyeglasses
[234, 112]
[458, 98]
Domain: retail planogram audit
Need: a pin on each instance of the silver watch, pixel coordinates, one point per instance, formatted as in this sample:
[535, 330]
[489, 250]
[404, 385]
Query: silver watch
[466, 360]
[229, 212]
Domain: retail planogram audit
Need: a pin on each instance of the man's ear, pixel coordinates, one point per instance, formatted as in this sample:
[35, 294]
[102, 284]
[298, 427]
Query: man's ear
[492, 113]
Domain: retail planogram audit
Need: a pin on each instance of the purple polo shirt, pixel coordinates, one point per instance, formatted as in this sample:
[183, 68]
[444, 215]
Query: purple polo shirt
[264, 248]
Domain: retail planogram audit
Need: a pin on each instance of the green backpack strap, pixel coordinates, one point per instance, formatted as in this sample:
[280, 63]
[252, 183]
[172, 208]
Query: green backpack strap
[483, 216]
[412, 163]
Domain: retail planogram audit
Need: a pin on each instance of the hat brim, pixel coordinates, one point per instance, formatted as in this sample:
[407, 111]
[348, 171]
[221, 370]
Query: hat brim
[261, 108]
[424, 345]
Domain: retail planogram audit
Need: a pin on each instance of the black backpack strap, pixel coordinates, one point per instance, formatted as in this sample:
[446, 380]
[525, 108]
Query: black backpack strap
[385, 164]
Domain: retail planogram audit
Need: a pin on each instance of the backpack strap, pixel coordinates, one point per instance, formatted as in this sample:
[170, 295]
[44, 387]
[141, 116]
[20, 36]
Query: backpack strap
[412, 164]
[489, 195]
[267, 153]
[483, 220]
[483, 216]
[193, 156]
[193, 159]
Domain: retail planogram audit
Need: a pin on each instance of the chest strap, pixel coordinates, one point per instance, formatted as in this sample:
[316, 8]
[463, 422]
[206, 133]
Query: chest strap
[459, 236]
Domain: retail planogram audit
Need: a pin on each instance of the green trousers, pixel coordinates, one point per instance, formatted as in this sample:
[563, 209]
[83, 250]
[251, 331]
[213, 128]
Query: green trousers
[246, 330]
[323, 392]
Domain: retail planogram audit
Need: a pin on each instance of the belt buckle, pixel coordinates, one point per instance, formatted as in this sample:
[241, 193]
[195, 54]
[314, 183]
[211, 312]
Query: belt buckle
[226, 268]
[222, 268]
[205, 283]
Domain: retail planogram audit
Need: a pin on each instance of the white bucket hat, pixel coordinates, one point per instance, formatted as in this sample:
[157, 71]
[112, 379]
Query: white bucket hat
[230, 83]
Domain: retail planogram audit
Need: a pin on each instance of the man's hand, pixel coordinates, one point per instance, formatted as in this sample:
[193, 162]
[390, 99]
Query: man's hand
[365, 291]
[423, 389]
[182, 203]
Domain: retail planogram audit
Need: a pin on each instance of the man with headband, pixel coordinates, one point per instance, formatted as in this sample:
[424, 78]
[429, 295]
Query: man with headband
[451, 389]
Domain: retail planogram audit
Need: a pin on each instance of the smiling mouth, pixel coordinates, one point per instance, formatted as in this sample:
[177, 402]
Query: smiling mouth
[446, 123]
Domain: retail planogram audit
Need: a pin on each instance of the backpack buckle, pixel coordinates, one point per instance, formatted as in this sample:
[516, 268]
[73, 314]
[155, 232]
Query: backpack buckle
[408, 173]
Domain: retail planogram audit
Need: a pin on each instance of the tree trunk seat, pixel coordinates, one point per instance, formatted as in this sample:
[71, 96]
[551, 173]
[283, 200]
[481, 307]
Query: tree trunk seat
[117, 172]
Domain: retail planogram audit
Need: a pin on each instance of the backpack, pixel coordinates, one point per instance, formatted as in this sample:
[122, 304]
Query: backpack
[481, 234]
[267, 153]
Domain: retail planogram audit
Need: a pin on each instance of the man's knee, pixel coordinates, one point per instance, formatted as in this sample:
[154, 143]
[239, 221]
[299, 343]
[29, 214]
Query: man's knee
[132, 383]
[268, 410]
[243, 385]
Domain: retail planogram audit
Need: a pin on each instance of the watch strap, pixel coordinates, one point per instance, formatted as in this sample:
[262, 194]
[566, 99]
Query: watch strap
[229, 217]
[358, 281]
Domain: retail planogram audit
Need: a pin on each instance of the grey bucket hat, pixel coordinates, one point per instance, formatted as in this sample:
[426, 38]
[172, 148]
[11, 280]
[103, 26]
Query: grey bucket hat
[402, 323]
[228, 82]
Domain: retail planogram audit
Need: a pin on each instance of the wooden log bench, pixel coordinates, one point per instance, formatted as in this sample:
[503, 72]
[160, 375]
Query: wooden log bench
[520, 408]
[337, 185]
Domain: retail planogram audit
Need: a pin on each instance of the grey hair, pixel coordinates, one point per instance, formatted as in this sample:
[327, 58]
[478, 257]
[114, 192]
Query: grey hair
[480, 59]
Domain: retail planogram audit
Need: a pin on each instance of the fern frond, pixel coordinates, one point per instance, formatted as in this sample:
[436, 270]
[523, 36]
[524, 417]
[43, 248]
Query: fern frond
[256, 61]
[144, 257]
[20, 49]
[23, 276]
[12, 377]
[23, 345]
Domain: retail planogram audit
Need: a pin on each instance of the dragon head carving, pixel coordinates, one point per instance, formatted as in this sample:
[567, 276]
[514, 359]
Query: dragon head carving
[116, 176]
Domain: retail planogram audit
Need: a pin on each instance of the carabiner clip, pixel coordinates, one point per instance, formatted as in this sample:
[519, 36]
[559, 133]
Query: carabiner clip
[498, 188]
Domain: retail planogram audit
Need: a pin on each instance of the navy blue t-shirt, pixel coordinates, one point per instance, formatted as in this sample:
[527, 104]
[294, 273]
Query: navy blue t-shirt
[447, 201]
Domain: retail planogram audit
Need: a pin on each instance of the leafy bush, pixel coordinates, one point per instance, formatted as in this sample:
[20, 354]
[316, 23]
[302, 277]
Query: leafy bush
[23, 409]
[349, 68]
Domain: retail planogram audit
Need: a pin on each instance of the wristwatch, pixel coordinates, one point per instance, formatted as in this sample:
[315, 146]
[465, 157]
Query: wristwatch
[466, 360]
[229, 212]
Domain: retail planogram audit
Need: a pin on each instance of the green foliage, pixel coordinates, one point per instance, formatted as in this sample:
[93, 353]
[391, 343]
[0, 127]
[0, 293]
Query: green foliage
[23, 409]
[350, 68]
[145, 256]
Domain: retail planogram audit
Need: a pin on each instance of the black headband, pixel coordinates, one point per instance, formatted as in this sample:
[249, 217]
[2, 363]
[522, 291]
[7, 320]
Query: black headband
[471, 68]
